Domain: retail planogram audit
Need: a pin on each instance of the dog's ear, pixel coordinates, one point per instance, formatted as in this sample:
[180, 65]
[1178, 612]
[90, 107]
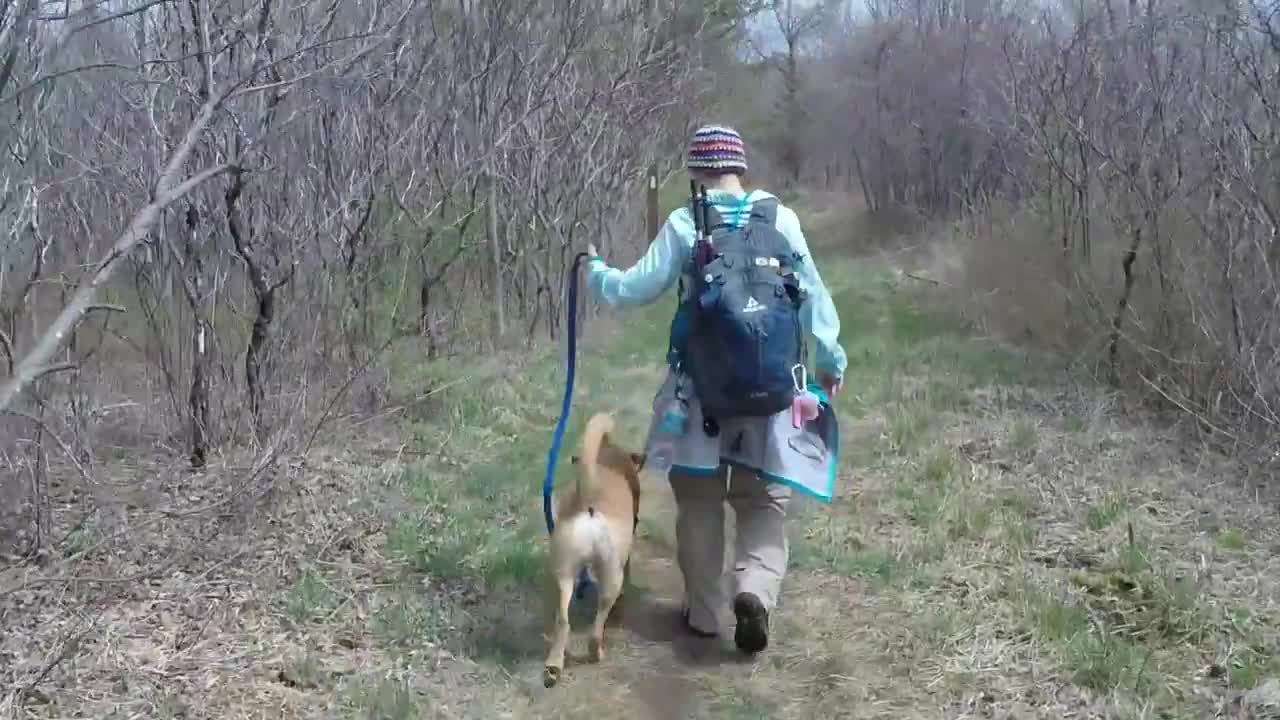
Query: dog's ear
[638, 460]
[573, 459]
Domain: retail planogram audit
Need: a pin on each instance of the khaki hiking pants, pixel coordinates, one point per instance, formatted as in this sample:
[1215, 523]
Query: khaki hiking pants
[760, 548]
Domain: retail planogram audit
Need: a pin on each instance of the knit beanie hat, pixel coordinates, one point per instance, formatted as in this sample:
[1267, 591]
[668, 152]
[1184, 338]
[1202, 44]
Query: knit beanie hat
[716, 149]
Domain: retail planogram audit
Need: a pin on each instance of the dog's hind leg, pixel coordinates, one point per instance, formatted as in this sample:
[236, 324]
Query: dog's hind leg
[560, 633]
[619, 605]
[610, 590]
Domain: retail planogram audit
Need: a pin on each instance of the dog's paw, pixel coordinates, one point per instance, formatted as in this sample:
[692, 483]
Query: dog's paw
[550, 676]
[597, 650]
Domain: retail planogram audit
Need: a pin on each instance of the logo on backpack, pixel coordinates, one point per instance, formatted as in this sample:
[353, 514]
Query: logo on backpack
[743, 334]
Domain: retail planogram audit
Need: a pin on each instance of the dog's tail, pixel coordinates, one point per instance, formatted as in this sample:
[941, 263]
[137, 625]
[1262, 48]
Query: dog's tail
[594, 437]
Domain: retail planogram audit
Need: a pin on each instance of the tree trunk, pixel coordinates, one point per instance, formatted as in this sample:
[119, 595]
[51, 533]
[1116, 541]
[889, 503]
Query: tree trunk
[254, 356]
[495, 250]
[424, 318]
[1117, 321]
[424, 308]
[198, 397]
[198, 400]
[40, 502]
[792, 145]
[867, 194]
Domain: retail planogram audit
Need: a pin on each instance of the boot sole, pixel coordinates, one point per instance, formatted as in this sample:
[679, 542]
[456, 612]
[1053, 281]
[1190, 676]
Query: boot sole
[752, 632]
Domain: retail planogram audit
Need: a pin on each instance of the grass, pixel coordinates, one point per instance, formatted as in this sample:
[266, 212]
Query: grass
[1104, 514]
[309, 598]
[1075, 424]
[827, 546]
[389, 699]
[477, 523]
[406, 618]
[1096, 656]
[1232, 540]
[925, 573]
[1023, 437]
[981, 550]
[924, 516]
[908, 426]
[741, 708]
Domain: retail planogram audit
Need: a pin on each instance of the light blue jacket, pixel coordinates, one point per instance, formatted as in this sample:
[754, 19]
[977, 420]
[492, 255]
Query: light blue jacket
[664, 261]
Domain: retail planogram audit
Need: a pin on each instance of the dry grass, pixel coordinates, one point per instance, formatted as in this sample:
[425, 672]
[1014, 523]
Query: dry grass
[1186, 343]
[1000, 547]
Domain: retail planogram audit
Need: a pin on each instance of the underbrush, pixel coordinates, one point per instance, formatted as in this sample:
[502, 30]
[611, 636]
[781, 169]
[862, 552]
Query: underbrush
[1189, 338]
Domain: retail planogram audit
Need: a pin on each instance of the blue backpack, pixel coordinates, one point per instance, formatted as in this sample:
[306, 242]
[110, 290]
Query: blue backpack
[738, 335]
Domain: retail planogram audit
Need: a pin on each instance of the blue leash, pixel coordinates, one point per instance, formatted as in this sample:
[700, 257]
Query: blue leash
[584, 580]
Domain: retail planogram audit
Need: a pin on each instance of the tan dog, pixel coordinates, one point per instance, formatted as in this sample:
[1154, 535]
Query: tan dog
[595, 525]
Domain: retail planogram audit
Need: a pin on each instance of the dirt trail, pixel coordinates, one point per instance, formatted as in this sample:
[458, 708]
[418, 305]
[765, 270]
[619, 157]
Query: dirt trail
[655, 668]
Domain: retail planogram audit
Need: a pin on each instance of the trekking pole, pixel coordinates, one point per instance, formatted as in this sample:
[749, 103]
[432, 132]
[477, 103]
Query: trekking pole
[694, 210]
[702, 226]
[706, 216]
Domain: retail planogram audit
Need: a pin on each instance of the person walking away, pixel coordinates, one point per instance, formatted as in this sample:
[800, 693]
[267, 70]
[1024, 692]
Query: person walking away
[724, 338]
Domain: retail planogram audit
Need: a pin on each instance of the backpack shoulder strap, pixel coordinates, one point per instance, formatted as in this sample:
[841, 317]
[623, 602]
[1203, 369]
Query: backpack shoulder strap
[764, 218]
[716, 220]
[765, 210]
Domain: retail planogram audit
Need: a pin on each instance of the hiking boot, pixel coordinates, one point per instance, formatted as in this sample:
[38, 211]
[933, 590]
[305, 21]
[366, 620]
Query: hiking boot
[752, 633]
[688, 626]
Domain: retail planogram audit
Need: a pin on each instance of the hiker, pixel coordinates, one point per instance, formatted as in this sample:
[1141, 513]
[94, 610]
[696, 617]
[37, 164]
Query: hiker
[747, 429]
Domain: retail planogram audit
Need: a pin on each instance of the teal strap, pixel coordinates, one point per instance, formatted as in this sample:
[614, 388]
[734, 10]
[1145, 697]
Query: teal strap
[741, 212]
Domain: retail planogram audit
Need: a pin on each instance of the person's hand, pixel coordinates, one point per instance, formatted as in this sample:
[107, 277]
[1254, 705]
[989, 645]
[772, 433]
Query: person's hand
[591, 251]
[830, 383]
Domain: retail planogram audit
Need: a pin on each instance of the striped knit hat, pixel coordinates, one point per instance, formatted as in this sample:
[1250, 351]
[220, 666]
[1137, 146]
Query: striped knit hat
[716, 149]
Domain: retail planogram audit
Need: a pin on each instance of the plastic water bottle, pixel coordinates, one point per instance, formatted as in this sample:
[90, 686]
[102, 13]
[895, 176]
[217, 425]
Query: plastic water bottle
[672, 424]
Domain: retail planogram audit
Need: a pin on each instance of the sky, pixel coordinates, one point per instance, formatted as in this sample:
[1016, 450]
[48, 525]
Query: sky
[764, 32]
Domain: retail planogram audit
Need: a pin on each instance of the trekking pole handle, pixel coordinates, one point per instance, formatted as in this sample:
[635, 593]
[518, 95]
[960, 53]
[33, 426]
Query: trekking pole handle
[706, 215]
[694, 207]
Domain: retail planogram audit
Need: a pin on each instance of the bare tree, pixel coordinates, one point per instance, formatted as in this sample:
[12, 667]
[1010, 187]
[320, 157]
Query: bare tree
[274, 195]
[798, 23]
